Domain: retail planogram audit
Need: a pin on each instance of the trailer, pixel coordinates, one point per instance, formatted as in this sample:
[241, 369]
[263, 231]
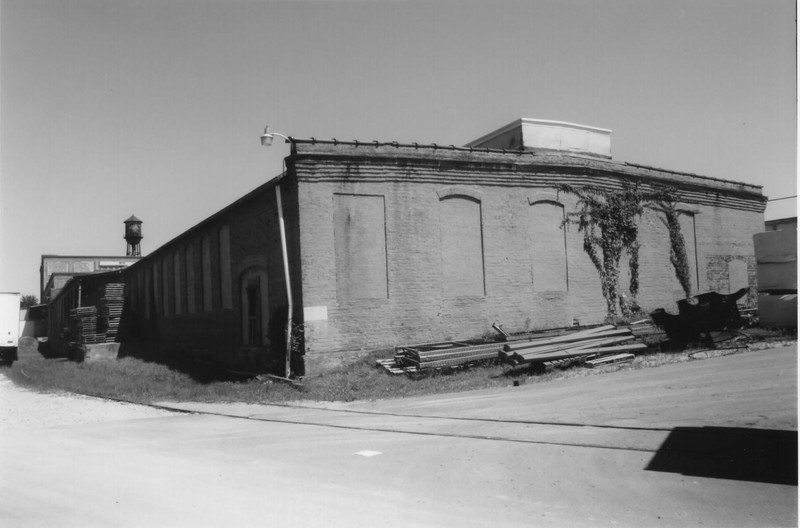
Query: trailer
[9, 327]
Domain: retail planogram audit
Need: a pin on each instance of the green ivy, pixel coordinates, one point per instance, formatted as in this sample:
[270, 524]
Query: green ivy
[608, 220]
[664, 200]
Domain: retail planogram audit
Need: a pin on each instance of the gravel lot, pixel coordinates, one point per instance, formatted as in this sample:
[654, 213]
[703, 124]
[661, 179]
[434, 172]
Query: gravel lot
[25, 409]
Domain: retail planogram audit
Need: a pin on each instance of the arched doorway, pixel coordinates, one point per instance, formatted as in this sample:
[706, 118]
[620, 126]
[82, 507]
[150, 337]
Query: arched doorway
[255, 306]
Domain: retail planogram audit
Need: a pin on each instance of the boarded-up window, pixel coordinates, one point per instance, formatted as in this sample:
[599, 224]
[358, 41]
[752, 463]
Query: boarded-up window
[548, 246]
[140, 289]
[157, 291]
[225, 267]
[206, 261]
[132, 287]
[737, 275]
[83, 266]
[686, 222]
[56, 267]
[148, 289]
[255, 306]
[360, 245]
[178, 283]
[190, 284]
[167, 268]
[461, 246]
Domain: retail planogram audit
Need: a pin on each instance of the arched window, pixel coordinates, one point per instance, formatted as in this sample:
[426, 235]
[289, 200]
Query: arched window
[255, 306]
[133, 288]
[178, 283]
[148, 290]
[548, 246]
[166, 266]
[141, 287]
[225, 267]
[190, 282]
[205, 257]
[461, 246]
[157, 290]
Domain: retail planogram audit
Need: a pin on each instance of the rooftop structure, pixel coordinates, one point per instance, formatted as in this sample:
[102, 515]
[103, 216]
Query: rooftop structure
[544, 135]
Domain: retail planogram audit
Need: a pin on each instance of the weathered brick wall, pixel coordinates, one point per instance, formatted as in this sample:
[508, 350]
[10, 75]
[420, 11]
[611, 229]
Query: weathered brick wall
[725, 247]
[417, 309]
[723, 236]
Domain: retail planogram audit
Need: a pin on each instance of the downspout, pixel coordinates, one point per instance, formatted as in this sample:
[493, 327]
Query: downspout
[288, 283]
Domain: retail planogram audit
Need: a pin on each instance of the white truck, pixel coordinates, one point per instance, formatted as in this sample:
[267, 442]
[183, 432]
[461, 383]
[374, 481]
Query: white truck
[9, 327]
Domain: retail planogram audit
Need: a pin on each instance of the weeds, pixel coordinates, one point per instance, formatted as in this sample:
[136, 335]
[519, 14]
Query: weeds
[139, 381]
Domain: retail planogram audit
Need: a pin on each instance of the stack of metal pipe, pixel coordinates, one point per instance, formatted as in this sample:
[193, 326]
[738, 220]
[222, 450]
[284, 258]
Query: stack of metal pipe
[586, 344]
[446, 354]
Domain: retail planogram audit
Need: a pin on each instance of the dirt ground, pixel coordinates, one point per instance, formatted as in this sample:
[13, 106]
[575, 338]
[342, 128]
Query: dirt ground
[597, 451]
[26, 409]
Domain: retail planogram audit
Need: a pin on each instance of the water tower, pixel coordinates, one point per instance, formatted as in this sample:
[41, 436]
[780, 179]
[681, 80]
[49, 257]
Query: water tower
[133, 235]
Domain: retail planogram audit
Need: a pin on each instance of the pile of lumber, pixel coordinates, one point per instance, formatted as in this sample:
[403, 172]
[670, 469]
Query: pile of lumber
[111, 309]
[83, 324]
[393, 367]
[596, 344]
[99, 324]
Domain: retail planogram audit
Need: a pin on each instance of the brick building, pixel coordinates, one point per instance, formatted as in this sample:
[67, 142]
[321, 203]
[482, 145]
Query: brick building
[56, 270]
[393, 243]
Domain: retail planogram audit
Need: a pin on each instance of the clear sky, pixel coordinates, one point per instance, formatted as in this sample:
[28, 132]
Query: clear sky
[154, 107]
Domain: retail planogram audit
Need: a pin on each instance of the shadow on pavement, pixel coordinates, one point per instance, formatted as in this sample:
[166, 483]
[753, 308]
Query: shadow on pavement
[735, 453]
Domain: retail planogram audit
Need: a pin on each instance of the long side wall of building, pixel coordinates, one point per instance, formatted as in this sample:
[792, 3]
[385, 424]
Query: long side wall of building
[218, 291]
[394, 253]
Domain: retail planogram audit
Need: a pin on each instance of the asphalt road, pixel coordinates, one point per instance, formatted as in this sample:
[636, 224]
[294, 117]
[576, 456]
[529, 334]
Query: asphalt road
[704, 443]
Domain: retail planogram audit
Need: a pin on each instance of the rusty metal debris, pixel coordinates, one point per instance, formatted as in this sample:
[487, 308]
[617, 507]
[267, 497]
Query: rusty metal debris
[701, 315]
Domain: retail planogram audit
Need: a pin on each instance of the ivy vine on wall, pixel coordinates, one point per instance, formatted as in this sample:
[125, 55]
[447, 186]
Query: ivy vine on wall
[664, 200]
[608, 220]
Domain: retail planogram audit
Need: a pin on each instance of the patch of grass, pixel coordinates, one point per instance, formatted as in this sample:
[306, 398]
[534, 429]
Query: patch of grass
[131, 380]
[772, 334]
[139, 381]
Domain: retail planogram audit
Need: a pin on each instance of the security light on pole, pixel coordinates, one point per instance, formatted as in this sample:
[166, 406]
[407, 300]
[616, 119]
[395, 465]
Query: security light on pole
[267, 137]
[266, 141]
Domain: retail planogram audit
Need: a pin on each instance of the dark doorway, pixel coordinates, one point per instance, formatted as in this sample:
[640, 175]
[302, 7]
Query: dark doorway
[253, 320]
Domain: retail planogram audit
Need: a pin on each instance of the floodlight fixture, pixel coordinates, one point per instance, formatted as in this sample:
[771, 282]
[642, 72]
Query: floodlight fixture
[267, 137]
